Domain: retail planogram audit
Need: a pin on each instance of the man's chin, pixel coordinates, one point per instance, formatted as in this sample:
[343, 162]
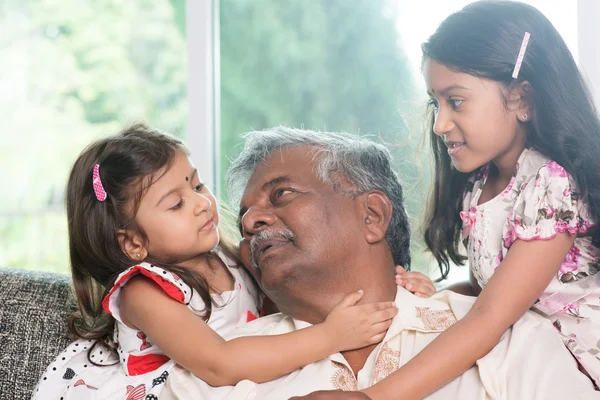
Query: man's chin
[266, 259]
[273, 272]
[266, 263]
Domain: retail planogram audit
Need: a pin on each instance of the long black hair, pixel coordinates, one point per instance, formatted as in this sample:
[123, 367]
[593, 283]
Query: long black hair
[483, 39]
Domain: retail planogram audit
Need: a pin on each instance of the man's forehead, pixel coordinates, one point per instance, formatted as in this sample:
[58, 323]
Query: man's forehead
[294, 163]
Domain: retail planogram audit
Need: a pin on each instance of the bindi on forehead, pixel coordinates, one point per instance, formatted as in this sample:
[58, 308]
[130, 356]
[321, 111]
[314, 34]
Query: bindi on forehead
[192, 175]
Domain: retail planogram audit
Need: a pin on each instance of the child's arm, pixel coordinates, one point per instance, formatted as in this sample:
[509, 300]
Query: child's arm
[189, 341]
[519, 281]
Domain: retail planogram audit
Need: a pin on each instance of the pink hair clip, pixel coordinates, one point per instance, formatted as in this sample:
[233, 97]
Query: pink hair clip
[515, 73]
[98, 188]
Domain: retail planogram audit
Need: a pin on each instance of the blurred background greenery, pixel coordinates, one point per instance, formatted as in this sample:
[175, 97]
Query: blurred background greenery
[76, 70]
[72, 71]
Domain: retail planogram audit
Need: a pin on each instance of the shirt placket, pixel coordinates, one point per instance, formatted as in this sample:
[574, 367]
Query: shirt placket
[387, 360]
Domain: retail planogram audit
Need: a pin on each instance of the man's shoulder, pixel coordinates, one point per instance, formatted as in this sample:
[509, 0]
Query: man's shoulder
[438, 312]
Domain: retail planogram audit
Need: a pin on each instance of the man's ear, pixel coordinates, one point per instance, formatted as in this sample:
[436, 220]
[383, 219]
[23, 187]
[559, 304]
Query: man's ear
[132, 244]
[378, 213]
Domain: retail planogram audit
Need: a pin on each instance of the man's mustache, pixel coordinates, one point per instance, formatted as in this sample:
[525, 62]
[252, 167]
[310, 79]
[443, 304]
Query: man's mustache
[267, 234]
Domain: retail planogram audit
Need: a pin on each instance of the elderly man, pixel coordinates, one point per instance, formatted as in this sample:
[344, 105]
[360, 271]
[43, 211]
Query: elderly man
[322, 215]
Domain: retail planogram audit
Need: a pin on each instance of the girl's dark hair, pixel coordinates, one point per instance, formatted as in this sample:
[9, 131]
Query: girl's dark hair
[483, 39]
[129, 163]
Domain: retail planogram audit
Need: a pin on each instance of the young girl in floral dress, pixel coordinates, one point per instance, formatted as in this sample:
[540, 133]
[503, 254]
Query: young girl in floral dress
[516, 143]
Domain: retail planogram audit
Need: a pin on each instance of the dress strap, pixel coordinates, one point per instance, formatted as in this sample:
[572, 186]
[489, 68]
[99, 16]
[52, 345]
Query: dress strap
[172, 285]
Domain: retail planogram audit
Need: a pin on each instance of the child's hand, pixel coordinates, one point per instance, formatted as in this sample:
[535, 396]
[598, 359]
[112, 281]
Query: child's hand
[415, 282]
[352, 327]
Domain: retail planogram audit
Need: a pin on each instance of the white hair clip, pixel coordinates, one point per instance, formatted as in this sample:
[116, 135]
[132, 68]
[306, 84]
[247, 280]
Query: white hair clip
[515, 73]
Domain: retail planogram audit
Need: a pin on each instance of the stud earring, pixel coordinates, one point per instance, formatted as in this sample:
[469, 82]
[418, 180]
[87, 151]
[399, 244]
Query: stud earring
[137, 255]
[525, 116]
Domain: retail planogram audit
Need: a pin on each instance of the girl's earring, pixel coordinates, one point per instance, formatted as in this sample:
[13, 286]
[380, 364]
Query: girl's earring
[525, 116]
[137, 255]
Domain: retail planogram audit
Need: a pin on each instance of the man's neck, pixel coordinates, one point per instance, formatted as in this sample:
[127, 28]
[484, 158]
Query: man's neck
[300, 301]
[378, 285]
[357, 358]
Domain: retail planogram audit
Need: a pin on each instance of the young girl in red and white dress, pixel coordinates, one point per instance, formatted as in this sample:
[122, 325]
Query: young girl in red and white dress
[156, 284]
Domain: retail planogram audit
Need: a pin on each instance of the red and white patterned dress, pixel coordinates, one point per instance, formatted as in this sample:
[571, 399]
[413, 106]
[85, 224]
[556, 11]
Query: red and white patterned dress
[141, 369]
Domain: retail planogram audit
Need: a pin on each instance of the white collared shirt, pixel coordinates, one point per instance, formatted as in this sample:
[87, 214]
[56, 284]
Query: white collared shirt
[530, 362]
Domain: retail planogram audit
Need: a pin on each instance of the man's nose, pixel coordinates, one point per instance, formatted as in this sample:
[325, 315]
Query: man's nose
[442, 124]
[255, 219]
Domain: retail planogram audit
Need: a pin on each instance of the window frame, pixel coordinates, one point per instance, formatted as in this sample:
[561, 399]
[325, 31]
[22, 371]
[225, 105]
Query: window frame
[203, 126]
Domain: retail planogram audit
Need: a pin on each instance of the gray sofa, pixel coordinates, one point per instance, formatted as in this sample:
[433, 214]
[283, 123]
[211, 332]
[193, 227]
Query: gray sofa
[34, 307]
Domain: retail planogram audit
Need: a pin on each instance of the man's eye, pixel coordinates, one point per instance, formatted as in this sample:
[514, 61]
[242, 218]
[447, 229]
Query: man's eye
[199, 187]
[455, 103]
[281, 192]
[178, 205]
[433, 103]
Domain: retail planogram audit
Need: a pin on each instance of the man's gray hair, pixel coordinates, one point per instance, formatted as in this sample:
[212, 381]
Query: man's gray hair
[351, 164]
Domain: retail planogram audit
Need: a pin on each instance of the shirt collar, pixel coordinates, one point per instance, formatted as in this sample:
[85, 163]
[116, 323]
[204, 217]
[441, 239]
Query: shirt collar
[432, 314]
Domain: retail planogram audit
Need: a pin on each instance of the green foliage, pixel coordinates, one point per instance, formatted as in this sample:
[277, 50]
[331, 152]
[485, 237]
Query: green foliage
[73, 71]
[327, 64]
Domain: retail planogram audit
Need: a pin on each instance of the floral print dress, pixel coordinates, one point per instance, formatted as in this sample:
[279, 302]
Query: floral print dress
[540, 201]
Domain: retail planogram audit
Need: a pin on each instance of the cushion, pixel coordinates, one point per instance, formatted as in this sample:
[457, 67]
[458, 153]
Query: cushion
[34, 307]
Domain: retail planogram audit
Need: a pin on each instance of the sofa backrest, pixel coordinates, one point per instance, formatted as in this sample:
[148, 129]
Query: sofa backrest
[34, 307]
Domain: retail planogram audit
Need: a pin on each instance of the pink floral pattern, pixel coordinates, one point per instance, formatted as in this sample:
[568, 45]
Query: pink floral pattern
[571, 262]
[508, 238]
[468, 218]
[540, 201]
[556, 170]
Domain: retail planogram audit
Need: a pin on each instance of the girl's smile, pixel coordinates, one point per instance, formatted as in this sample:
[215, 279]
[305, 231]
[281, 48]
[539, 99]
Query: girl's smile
[454, 147]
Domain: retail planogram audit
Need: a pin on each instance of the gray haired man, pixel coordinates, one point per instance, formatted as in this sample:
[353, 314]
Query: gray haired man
[322, 215]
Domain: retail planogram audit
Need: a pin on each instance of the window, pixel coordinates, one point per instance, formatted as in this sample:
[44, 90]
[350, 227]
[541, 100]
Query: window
[335, 65]
[73, 71]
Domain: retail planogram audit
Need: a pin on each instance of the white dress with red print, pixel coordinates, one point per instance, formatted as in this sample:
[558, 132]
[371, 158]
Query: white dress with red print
[139, 369]
[540, 201]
